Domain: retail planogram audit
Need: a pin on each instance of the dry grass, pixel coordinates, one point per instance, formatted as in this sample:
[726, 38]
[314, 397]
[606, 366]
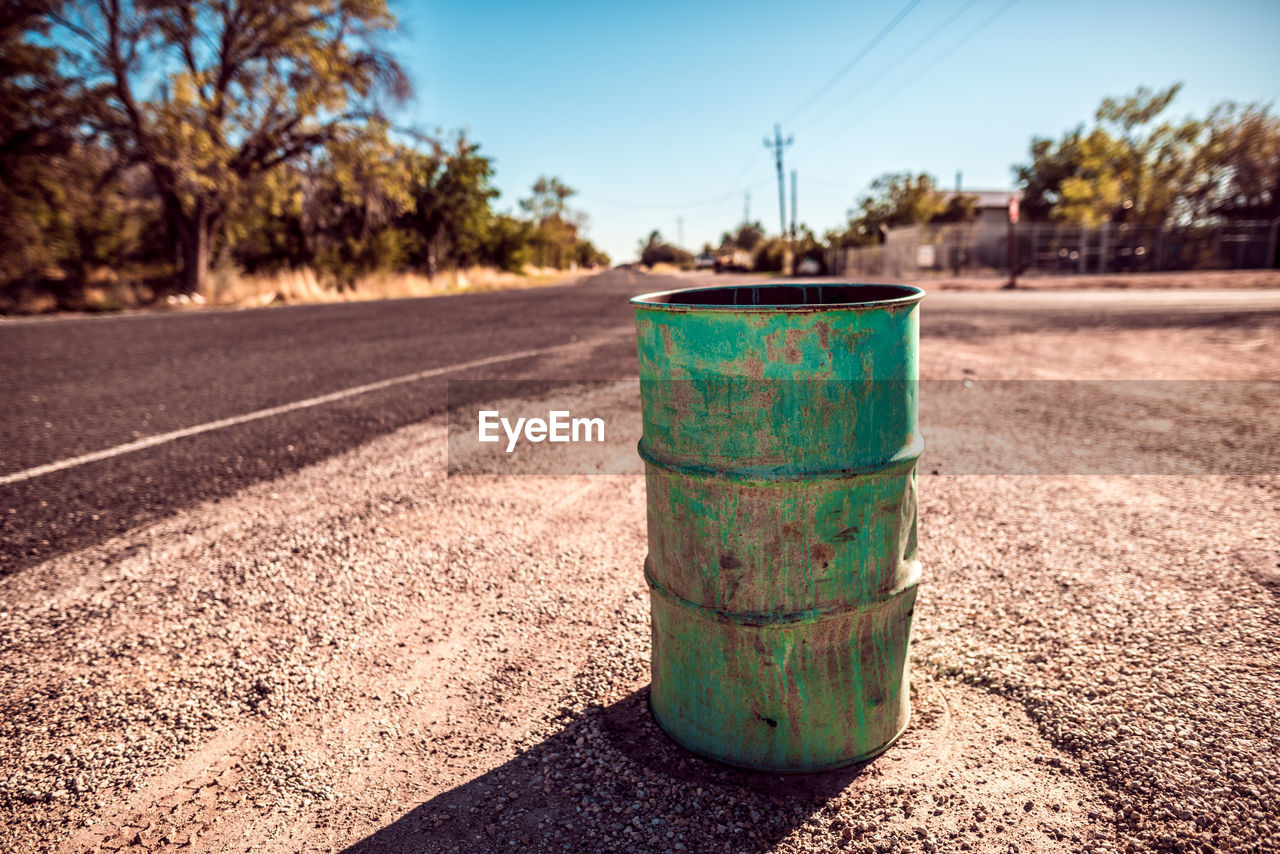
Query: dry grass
[303, 286]
[110, 292]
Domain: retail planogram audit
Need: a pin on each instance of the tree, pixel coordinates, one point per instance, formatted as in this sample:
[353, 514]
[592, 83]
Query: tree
[655, 250]
[359, 187]
[510, 240]
[1095, 193]
[897, 199]
[274, 227]
[749, 236]
[550, 198]
[211, 95]
[1125, 169]
[109, 210]
[1237, 165]
[1152, 165]
[1041, 179]
[451, 210]
[901, 199]
[960, 208]
[772, 253]
[556, 227]
[36, 102]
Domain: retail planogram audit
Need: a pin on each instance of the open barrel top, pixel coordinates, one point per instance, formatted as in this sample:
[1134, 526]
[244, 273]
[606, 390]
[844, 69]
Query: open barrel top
[770, 297]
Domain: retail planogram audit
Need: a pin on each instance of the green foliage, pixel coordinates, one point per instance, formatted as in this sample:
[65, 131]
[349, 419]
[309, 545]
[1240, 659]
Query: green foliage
[1094, 193]
[655, 250]
[1237, 166]
[241, 133]
[237, 133]
[35, 105]
[212, 95]
[900, 199]
[1041, 179]
[771, 254]
[68, 206]
[807, 244]
[550, 199]
[749, 236]
[361, 187]
[1133, 167]
[272, 229]
[555, 240]
[367, 204]
[510, 245]
[450, 213]
[959, 208]
[587, 255]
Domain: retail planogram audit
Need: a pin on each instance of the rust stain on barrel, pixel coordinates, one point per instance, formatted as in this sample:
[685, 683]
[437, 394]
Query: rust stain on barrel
[780, 446]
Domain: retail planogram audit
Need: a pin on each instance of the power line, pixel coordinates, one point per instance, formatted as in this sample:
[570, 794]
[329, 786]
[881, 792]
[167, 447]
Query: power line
[735, 187]
[833, 185]
[751, 161]
[725, 209]
[669, 206]
[986, 22]
[867, 48]
[901, 58]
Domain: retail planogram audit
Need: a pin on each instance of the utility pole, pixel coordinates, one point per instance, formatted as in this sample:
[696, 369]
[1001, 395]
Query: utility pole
[746, 207]
[793, 222]
[793, 206]
[680, 231]
[778, 144]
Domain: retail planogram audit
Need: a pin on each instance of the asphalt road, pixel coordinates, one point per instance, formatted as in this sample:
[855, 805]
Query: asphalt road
[75, 386]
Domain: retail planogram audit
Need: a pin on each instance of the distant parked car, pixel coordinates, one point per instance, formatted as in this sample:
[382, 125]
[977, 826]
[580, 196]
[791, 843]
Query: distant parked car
[808, 267]
[705, 261]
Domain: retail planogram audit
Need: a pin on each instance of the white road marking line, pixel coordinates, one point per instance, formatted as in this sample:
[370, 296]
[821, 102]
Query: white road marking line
[164, 438]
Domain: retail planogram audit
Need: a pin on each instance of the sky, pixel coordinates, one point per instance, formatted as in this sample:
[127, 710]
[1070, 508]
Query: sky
[656, 112]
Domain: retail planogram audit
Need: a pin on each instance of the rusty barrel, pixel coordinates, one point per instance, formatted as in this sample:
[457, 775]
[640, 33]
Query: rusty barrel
[780, 449]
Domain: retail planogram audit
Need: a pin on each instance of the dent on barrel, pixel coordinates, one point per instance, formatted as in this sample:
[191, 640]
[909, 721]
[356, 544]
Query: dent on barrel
[782, 586]
[747, 548]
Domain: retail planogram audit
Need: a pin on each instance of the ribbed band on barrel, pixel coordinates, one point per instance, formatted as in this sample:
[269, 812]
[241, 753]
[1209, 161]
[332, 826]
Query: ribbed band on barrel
[901, 461]
[811, 615]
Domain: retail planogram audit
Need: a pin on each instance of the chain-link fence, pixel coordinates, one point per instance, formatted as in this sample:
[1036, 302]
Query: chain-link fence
[1050, 248]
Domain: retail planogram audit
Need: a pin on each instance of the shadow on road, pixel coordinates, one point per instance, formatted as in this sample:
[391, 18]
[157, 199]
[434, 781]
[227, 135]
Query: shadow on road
[611, 780]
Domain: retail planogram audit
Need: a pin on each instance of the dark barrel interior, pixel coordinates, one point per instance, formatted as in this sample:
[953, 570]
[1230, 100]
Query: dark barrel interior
[783, 295]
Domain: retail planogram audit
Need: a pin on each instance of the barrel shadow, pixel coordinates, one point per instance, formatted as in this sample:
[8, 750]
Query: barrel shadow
[611, 780]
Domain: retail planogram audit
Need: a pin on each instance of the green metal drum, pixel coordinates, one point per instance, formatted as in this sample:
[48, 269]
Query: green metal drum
[780, 448]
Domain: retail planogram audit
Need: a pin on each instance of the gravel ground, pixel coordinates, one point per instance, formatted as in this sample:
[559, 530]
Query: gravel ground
[367, 655]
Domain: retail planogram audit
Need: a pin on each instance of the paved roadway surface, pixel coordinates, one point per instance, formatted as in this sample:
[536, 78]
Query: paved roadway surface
[79, 385]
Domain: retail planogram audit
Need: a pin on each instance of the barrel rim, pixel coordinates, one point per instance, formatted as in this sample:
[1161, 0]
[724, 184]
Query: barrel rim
[663, 300]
